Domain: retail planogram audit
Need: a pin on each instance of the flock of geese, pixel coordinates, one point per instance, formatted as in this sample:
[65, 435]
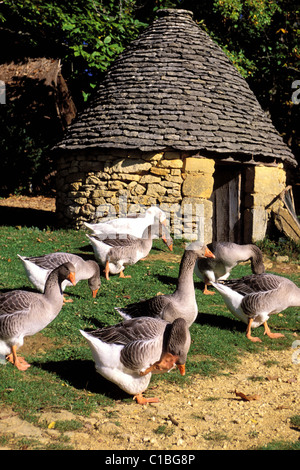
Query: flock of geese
[154, 335]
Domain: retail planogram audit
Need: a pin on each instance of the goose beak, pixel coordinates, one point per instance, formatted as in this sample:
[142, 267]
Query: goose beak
[71, 278]
[181, 368]
[167, 242]
[95, 293]
[208, 253]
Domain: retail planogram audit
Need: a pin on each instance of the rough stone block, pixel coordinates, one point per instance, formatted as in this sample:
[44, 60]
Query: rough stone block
[174, 163]
[198, 185]
[199, 165]
[150, 179]
[129, 165]
[266, 180]
[156, 190]
[159, 171]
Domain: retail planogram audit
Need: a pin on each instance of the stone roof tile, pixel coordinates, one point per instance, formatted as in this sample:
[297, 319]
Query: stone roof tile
[174, 88]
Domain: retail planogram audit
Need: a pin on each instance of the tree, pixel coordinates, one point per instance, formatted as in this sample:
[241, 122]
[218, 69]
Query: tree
[262, 39]
[86, 34]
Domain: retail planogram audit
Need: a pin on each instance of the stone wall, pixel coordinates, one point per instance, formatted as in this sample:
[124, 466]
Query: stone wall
[93, 185]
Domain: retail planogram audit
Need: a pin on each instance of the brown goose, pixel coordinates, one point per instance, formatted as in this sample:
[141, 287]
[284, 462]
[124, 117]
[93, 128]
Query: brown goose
[116, 251]
[182, 303]
[254, 298]
[24, 313]
[227, 256]
[128, 353]
[38, 268]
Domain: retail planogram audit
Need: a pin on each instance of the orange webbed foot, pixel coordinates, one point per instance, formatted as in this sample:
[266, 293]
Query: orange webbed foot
[18, 361]
[143, 401]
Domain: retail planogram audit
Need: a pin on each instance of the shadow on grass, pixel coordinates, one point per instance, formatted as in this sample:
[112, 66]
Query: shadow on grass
[218, 321]
[28, 217]
[82, 375]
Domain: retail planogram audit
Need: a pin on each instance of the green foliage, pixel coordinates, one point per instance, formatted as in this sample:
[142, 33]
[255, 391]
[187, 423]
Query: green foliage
[87, 34]
[280, 246]
[262, 40]
[260, 37]
[24, 162]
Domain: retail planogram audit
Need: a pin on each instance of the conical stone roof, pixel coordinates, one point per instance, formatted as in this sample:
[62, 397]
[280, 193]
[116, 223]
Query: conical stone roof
[175, 89]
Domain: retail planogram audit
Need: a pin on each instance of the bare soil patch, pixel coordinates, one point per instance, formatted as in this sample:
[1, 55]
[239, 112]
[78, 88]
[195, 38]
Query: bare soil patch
[27, 202]
[205, 415]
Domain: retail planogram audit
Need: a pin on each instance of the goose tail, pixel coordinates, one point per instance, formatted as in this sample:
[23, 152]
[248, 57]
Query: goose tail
[123, 314]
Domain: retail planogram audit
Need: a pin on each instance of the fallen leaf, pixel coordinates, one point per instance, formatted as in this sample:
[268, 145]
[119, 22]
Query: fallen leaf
[247, 397]
[292, 380]
[51, 425]
[173, 420]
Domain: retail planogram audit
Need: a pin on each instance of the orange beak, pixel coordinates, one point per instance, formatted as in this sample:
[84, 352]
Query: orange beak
[95, 293]
[181, 368]
[164, 239]
[208, 253]
[71, 278]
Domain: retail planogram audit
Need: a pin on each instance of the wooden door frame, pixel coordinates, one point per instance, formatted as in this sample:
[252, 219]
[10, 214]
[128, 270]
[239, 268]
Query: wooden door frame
[227, 198]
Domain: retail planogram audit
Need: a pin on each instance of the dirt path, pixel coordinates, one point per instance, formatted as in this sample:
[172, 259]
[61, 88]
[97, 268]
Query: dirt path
[204, 415]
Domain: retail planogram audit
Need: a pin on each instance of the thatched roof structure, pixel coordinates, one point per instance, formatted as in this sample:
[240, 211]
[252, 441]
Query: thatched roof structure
[174, 88]
[37, 84]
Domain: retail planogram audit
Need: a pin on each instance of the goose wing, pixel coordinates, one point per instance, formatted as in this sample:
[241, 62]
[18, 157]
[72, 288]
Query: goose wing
[52, 260]
[255, 283]
[16, 303]
[119, 240]
[141, 338]
[154, 307]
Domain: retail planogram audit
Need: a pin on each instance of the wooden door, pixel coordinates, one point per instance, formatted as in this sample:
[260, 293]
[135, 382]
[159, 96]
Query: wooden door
[227, 206]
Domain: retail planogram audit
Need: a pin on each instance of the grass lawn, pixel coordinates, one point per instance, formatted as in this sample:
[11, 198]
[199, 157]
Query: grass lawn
[63, 359]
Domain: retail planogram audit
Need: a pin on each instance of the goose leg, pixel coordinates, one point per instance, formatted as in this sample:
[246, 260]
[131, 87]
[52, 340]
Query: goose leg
[206, 291]
[19, 362]
[106, 271]
[254, 339]
[271, 335]
[67, 300]
[123, 275]
[142, 400]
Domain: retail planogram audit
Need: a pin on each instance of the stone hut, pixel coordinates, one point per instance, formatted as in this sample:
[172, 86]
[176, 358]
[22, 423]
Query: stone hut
[174, 124]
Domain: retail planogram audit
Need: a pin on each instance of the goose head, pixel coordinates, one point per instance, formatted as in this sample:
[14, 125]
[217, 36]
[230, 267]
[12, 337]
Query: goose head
[200, 249]
[157, 212]
[66, 271]
[178, 341]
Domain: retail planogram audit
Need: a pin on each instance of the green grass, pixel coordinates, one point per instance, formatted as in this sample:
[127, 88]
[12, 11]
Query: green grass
[62, 374]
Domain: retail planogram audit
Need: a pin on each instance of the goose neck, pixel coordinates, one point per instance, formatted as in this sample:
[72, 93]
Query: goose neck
[185, 281]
